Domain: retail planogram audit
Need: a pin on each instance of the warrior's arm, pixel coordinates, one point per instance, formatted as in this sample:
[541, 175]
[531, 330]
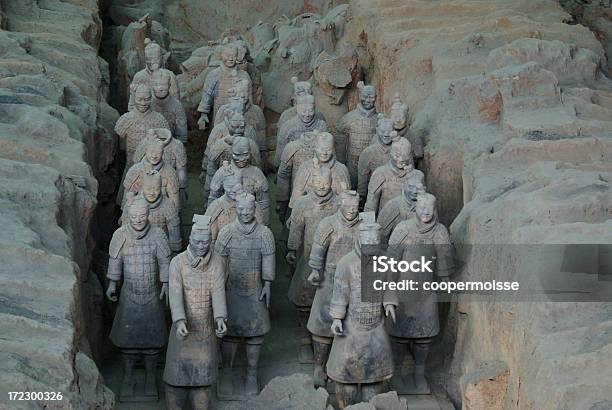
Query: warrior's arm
[163, 257]
[172, 190]
[173, 224]
[215, 187]
[268, 256]
[283, 185]
[174, 87]
[263, 201]
[373, 196]
[115, 268]
[208, 92]
[363, 177]
[445, 253]
[219, 303]
[320, 246]
[296, 229]
[340, 296]
[181, 164]
[177, 302]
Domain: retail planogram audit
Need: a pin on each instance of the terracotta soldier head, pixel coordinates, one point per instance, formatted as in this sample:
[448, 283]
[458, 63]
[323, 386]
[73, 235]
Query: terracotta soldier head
[301, 88]
[305, 108]
[235, 123]
[163, 135]
[199, 239]
[241, 93]
[245, 208]
[160, 83]
[241, 152]
[243, 51]
[413, 186]
[367, 95]
[401, 154]
[232, 186]
[229, 55]
[142, 98]
[399, 113]
[152, 186]
[349, 205]
[426, 208]
[384, 130]
[138, 214]
[155, 152]
[324, 148]
[369, 234]
[153, 56]
[321, 182]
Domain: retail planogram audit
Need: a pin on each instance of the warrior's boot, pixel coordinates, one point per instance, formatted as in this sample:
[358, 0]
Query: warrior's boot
[370, 390]
[420, 350]
[321, 353]
[176, 397]
[200, 398]
[399, 354]
[228, 352]
[251, 385]
[305, 353]
[346, 394]
[128, 383]
[150, 361]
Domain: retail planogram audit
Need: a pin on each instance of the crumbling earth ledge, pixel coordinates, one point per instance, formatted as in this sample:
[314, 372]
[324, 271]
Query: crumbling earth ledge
[55, 139]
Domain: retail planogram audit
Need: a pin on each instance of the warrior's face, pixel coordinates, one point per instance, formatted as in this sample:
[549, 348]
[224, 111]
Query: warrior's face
[139, 217]
[386, 133]
[199, 241]
[350, 207]
[425, 210]
[245, 211]
[161, 88]
[236, 124]
[302, 88]
[306, 112]
[324, 150]
[232, 188]
[400, 157]
[399, 118]
[154, 154]
[229, 56]
[367, 97]
[153, 60]
[142, 101]
[321, 185]
[413, 189]
[151, 190]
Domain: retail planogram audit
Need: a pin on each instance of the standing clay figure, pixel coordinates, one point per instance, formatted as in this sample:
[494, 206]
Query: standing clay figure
[222, 211]
[153, 63]
[402, 207]
[168, 105]
[361, 350]
[219, 81]
[300, 88]
[417, 319]
[174, 155]
[335, 237]
[294, 154]
[162, 212]
[253, 180]
[387, 180]
[306, 215]
[197, 303]
[153, 161]
[356, 129]
[245, 63]
[253, 115]
[139, 254]
[324, 156]
[305, 121]
[133, 125]
[249, 250]
[399, 115]
[375, 155]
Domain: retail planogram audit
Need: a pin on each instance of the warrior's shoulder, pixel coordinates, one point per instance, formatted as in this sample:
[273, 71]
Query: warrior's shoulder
[215, 209]
[117, 241]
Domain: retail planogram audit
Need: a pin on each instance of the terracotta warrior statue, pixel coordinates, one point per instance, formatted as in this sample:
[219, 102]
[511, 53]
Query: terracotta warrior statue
[307, 213]
[153, 160]
[402, 207]
[294, 154]
[357, 128]
[221, 150]
[174, 155]
[300, 88]
[248, 248]
[132, 126]
[417, 320]
[304, 121]
[361, 350]
[162, 212]
[335, 237]
[324, 156]
[233, 123]
[375, 155]
[399, 115]
[139, 255]
[253, 115]
[219, 81]
[199, 315]
[169, 105]
[154, 61]
[253, 180]
[387, 180]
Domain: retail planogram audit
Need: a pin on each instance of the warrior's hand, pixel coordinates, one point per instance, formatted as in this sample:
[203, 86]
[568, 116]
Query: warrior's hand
[291, 258]
[181, 329]
[203, 121]
[314, 278]
[390, 311]
[112, 288]
[337, 328]
[266, 293]
[221, 329]
[164, 292]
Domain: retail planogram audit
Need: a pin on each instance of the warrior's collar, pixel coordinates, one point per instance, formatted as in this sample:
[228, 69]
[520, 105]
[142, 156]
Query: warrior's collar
[364, 112]
[346, 222]
[311, 125]
[322, 200]
[401, 172]
[156, 203]
[134, 234]
[198, 261]
[329, 164]
[247, 229]
[426, 227]
[157, 167]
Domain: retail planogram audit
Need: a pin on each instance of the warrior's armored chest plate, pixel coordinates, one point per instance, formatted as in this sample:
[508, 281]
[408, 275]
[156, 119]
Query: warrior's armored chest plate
[245, 263]
[140, 270]
[198, 298]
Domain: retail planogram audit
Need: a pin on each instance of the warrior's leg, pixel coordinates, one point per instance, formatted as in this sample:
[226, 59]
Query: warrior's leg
[305, 354]
[346, 394]
[200, 398]
[399, 346]
[321, 346]
[150, 360]
[228, 353]
[370, 390]
[128, 384]
[420, 350]
[176, 397]
[253, 348]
